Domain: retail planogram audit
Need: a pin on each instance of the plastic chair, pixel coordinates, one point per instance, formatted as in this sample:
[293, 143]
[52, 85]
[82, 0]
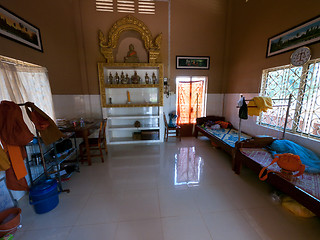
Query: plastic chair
[96, 143]
[171, 130]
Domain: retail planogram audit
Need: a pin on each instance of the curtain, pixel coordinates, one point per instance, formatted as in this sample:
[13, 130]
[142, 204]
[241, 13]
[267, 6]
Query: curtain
[190, 96]
[22, 84]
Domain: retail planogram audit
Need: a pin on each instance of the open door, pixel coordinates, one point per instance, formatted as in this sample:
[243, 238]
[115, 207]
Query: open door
[191, 93]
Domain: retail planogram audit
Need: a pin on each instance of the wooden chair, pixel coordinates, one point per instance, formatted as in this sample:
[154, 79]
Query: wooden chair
[96, 143]
[171, 130]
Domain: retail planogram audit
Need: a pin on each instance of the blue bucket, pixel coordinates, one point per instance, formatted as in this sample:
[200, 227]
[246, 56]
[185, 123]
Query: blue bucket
[44, 196]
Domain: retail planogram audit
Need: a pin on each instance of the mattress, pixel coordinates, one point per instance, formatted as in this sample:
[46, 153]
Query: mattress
[308, 182]
[228, 135]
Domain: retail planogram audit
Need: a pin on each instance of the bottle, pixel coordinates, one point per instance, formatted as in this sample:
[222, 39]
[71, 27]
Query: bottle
[82, 124]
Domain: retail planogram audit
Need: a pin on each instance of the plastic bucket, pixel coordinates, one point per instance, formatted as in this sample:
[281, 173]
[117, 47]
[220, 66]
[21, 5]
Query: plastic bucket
[9, 220]
[44, 196]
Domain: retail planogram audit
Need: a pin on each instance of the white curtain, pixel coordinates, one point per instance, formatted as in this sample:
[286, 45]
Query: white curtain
[22, 84]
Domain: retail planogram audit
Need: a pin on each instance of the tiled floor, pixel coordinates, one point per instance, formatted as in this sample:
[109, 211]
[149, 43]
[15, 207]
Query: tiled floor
[141, 193]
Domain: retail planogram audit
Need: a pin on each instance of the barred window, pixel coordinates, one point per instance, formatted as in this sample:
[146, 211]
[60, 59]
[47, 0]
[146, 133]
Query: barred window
[303, 83]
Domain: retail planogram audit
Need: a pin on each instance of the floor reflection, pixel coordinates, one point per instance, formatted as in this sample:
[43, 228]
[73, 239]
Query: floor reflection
[187, 167]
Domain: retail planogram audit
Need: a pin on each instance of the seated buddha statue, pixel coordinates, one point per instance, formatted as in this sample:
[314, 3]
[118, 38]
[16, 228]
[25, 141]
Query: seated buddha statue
[132, 56]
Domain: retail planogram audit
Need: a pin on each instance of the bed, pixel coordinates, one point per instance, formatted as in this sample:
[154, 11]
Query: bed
[223, 138]
[304, 189]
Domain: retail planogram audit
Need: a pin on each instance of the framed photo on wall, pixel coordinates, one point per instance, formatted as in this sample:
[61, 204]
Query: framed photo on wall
[184, 62]
[301, 35]
[19, 30]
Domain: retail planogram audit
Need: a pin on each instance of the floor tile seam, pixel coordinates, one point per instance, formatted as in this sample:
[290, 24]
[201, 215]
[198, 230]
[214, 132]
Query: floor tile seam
[159, 209]
[82, 209]
[256, 228]
[207, 227]
[69, 233]
[46, 227]
[137, 219]
[115, 232]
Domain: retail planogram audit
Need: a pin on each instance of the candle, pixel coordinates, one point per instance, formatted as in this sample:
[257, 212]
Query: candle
[128, 96]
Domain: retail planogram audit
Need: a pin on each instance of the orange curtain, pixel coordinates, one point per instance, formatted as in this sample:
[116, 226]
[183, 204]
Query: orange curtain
[188, 93]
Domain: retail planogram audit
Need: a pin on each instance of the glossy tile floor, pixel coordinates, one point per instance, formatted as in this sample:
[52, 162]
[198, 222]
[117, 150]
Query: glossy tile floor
[170, 191]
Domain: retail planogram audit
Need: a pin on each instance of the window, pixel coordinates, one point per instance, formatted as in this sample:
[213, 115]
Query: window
[104, 5]
[22, 82]
[191, 98]
[146, 7]
[303, 83]
[126, 6]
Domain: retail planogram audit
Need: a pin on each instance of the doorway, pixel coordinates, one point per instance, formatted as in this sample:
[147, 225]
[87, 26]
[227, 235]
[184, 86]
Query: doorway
[191, 102]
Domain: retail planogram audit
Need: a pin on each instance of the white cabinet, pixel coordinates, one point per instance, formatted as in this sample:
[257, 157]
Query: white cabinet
[134, 110]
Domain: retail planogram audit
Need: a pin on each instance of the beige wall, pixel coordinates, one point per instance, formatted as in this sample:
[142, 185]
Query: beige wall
[198, 29]
[249, 27]
[69, 31]
[233, 33]
[56, 26]
[92, 21]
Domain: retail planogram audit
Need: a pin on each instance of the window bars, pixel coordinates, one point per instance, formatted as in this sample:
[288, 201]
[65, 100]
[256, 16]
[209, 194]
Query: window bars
[280, 106]
[303, 83]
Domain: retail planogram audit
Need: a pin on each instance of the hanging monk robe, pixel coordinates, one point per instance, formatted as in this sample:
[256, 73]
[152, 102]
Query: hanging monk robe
[14, 135]
[44, 124]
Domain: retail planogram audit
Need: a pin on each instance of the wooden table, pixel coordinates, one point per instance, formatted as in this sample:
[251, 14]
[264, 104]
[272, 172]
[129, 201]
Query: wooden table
[84, 133]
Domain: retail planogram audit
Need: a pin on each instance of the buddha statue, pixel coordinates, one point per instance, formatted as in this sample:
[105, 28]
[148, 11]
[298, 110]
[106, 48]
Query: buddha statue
[132, 56]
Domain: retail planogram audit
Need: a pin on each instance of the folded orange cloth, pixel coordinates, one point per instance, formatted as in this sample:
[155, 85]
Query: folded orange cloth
[17, 161]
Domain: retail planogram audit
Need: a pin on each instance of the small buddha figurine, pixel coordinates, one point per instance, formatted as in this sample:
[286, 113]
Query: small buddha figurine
[110, 80]
[147, 79]
[154, 78]
[122, 78]
[132, 56]
[116, 78]
[135, 79]
[127, 79]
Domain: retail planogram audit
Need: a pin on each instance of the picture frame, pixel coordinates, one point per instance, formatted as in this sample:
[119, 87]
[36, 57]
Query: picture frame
[19, 30]
[187, 62]
[303, 34]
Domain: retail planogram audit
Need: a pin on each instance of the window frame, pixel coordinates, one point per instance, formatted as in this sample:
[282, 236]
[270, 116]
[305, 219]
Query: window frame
[204, 95]
[302, 92]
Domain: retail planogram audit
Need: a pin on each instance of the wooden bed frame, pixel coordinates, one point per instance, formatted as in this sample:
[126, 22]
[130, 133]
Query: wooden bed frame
[282, 184]
[214, 139]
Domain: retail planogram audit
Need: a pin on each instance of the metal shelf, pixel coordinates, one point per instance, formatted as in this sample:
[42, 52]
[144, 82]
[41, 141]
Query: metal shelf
[133, 116]
[130, 127]
[130, 140]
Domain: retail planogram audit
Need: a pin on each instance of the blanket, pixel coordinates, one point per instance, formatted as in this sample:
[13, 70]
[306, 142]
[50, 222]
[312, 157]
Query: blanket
[307, 157]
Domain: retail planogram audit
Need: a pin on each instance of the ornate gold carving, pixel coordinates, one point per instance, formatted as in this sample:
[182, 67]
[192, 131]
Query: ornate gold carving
[129, 23]
[101, 84]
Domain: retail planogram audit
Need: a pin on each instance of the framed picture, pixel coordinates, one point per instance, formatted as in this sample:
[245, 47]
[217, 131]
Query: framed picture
[303, 34]
[184, 62]
[19, 30]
